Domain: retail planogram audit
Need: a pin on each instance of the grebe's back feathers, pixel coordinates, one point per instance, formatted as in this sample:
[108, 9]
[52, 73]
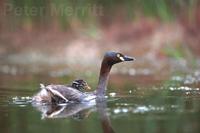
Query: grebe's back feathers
[65, 92]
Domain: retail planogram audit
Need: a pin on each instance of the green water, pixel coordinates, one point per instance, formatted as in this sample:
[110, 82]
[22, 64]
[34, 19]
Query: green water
[147, 105]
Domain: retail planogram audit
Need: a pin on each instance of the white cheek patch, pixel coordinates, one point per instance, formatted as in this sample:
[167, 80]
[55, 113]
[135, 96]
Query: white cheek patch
[121, 58]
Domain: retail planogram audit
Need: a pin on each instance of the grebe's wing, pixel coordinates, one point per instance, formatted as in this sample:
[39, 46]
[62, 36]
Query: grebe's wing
[65, 93]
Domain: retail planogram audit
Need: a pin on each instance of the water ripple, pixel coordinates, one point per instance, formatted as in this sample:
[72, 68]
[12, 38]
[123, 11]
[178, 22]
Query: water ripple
[21, 101]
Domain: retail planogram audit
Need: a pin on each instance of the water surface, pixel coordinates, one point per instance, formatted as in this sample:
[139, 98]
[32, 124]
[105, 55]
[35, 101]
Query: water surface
[138, 104]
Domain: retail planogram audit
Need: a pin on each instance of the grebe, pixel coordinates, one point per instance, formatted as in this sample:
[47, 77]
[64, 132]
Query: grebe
[63, 94]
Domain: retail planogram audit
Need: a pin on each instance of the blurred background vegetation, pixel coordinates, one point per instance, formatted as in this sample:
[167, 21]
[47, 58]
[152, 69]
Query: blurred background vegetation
[43, 13]
[63, 32]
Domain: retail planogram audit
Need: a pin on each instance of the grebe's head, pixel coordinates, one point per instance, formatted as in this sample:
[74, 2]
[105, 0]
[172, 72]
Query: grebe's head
[112, 58]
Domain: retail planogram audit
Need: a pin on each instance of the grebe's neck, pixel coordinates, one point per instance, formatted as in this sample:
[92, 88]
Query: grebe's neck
[103, 78]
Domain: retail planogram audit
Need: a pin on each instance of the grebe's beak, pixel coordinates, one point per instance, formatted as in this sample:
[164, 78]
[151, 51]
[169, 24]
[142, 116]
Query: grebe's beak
[127, 58]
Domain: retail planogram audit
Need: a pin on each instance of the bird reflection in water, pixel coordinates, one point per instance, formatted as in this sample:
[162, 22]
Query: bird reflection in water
[78, 111]
[101, 105]
[74, 110]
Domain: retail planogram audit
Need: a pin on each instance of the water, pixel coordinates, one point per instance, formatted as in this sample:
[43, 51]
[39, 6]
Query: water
[149, 104]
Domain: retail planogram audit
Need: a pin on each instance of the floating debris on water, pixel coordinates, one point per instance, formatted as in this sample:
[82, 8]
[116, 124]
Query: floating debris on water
[187, 93]
[184, 88]
[138, 109]
[123, 104]
[124, 110]
[112, 94]
[21, 101]
[150, 108]
[141, 109]
[116, 111]
[22, 105]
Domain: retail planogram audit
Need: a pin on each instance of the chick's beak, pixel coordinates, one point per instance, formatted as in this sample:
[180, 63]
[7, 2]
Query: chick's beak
[87, 87]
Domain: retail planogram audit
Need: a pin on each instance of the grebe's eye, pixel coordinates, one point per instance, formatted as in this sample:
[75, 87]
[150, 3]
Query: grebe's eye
[120, 57]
